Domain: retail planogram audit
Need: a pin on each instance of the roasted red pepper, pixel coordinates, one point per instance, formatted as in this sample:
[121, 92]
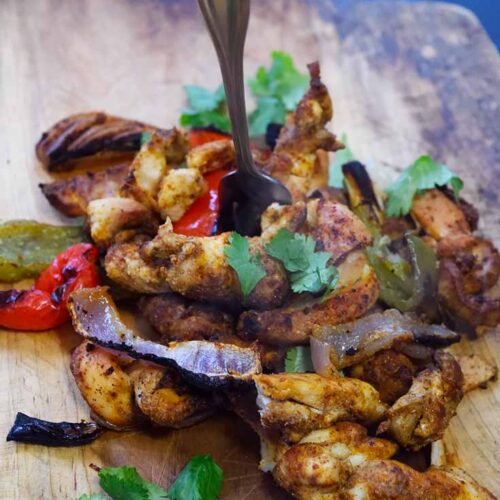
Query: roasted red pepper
[44, 305]
[199, 136]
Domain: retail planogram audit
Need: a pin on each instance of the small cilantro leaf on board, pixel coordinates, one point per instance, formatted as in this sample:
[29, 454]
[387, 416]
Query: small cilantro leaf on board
[125, 483]
[205, 108]
[298, 359]
[201, 479]
[278, 90]
[309, 270]
[248, 267]
[340, 157]
[424, 173]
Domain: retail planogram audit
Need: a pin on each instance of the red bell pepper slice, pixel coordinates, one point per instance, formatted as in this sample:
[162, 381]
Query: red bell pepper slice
[44, 306]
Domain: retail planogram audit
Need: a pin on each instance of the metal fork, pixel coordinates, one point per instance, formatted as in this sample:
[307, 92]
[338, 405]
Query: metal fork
[245, 193]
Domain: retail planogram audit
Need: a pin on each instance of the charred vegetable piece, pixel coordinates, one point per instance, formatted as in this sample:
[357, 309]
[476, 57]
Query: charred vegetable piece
[44, 305]
[406, 285]
[351, 343]
[28, 247]
[32, 430]
[89, 134]
[362, 198]
[203, 363]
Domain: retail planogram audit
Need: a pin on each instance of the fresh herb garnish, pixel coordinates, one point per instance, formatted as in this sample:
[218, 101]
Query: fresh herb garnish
[422, 174]
[145, 137]
[298, 359]
[278, 90]
[309, 270]
[205, 108]
[247, 266]
[335, 176]
[201, 479]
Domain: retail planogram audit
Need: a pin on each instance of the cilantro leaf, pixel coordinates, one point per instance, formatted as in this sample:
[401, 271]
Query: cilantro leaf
[201, 479]
[247, 266]
[145, 137]
[268, 110]
[424, 173]
[278, 89]
[298, 359]
[205, 108]
[125, 483]
[309, 270]
[335, 176]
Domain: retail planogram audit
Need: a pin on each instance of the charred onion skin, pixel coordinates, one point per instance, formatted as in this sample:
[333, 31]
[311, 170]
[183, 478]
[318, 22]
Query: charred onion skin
[88, 134]
[32, 430]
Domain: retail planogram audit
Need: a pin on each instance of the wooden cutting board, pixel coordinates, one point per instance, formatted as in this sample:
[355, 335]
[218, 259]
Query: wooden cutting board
[406, 80]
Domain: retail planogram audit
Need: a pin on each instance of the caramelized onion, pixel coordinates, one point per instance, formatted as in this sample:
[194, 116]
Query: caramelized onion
[347, 344]
[203, 363]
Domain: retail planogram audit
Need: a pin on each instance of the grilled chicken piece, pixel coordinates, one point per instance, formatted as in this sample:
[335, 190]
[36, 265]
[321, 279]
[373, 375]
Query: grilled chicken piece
[292, 217]
[89, 134]
[320, 464]
[211, 156]
[179, 319]
[390, 372]
[121, 392]
[151, 164]
[166, 400]
[124, 265]
[72, 196]
[423, 413]
[469, 266]
[391, 480]
[299, 159]
[297, 403]
[356, 292]
[197, 268]
[477, 371]
[108, 216]
[105, 384]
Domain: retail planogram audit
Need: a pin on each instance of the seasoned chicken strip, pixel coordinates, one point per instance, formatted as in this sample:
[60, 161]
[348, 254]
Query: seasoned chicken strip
[477, 371]
[391, 480]
[105, 384]
[197, 268]
[422, 415]
[297, 403]
[125, 266]
[320, 464]
[72, 196]
[166, 400]
[299, 159]
[211, 156]
[356, 292]
[108, 216]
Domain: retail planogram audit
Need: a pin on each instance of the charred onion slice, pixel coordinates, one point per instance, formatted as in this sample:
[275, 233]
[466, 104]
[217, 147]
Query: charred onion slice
[205, 364]
[350, 343]
[88, 134]
[32, 430]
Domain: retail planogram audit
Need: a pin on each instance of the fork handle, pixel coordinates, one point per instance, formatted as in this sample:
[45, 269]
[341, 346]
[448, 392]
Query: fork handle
[227, 22]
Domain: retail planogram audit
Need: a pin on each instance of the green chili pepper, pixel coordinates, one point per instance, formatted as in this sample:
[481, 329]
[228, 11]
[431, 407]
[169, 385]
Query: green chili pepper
[407, 286]
[28, 247]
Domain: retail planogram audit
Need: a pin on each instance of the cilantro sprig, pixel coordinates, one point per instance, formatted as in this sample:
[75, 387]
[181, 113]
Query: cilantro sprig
[247, 266]
[424, 173]
[278, 90]
[298, 359]
[201, 479]
[205, 108]
[309, 270]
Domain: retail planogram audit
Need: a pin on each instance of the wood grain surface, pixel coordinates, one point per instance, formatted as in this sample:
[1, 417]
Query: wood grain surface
[406, 80]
